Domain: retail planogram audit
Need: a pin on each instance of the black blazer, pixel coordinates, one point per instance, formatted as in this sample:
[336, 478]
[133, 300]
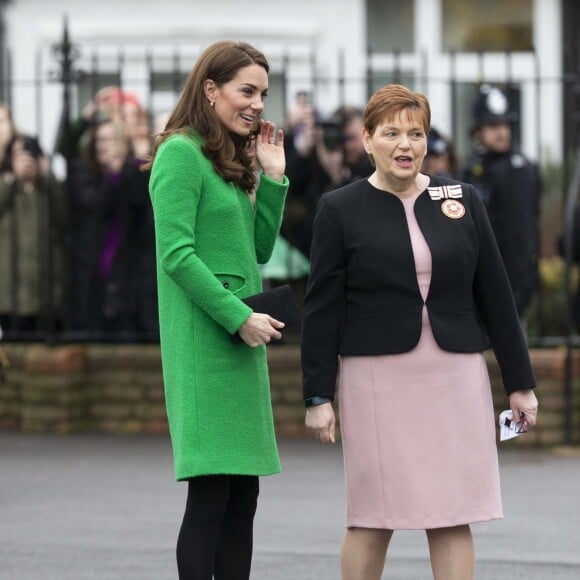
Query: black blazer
[363, 297]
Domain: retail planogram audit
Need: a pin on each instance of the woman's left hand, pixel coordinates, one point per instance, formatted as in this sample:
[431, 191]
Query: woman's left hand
[321, 420]
[269, 145]
[524, 401]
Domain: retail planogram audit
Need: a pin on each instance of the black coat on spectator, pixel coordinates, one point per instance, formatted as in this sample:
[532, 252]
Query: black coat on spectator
[510, 186]
[308, 181]
[112, 263]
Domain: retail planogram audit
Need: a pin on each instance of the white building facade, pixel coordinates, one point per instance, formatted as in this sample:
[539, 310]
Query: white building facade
[339, 50]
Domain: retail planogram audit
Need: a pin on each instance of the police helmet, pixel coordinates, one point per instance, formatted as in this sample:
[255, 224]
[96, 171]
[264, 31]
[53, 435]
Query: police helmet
[490, 105]
[436, 144]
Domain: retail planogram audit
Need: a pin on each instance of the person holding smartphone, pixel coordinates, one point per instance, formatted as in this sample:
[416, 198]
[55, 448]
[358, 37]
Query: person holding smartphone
[30, 203]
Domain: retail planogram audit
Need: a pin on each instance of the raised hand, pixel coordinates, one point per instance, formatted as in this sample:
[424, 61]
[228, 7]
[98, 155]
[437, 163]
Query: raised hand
[270, 150]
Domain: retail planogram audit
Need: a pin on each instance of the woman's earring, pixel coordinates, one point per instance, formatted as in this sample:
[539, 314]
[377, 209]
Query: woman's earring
[211, 104]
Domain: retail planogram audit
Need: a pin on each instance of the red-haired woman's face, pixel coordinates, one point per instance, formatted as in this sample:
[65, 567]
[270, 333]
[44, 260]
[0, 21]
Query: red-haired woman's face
[240, 102]
[398, 146]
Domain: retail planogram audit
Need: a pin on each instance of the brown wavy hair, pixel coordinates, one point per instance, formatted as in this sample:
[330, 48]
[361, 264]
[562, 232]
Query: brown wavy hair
[227, 151]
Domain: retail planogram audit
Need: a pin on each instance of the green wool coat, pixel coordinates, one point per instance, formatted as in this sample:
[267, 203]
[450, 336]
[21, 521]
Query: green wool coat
[210, 240]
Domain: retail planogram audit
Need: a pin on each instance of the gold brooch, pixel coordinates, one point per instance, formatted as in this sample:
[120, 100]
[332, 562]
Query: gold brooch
[453, 209]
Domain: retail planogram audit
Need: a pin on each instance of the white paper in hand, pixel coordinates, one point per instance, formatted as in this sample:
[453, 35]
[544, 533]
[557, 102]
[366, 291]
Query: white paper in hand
[508, 428]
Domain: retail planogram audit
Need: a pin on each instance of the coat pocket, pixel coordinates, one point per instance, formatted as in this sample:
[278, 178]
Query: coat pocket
[233, 282]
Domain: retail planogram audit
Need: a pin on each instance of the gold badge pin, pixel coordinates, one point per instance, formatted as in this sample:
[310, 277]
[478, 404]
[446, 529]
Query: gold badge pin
[453, 209]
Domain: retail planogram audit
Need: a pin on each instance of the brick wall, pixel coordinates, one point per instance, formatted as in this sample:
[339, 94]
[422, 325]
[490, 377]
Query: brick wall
[118, 388]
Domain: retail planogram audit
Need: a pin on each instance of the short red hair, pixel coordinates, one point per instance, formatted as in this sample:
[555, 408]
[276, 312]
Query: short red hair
[391, 100]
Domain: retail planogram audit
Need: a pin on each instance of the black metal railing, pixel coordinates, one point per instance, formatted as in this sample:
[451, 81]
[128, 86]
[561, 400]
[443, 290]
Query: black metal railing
[79, 73]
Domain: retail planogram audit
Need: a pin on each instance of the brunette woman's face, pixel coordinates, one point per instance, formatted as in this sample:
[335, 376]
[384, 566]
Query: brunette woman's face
[239, 102]
[111, 147]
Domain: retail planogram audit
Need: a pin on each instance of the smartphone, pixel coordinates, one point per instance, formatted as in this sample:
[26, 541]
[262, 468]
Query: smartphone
[31, 145]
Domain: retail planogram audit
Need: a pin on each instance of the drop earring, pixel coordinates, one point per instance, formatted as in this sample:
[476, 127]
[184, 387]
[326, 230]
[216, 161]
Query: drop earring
[212, 104]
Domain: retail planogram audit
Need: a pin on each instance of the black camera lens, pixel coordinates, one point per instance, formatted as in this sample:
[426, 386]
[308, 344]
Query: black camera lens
[333, 135]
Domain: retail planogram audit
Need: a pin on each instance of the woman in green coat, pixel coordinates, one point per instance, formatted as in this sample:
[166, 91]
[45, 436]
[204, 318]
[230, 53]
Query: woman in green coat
[218, 188]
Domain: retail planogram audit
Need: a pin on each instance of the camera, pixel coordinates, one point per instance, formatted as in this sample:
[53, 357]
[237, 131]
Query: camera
[332, 132]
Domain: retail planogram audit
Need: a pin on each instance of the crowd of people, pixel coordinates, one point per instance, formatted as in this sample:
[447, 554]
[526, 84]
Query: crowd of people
[81, 252]
[85, 252]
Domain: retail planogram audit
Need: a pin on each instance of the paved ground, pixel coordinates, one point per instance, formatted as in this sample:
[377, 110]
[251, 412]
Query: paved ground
[89, 507]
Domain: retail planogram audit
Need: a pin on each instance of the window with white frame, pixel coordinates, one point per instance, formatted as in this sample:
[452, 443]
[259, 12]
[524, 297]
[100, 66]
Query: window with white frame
[487, 26]
[390, 25]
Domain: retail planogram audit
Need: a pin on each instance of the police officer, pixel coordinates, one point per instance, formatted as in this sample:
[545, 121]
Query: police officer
[509, 185]
[440, 159]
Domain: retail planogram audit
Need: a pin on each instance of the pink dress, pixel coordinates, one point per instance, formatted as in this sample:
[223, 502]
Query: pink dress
[418, 430]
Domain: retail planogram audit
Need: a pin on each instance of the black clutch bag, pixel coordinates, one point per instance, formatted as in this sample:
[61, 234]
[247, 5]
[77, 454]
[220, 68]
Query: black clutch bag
[278, 302]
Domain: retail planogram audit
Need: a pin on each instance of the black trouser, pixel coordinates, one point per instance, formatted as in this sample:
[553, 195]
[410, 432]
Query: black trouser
[216, 536]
